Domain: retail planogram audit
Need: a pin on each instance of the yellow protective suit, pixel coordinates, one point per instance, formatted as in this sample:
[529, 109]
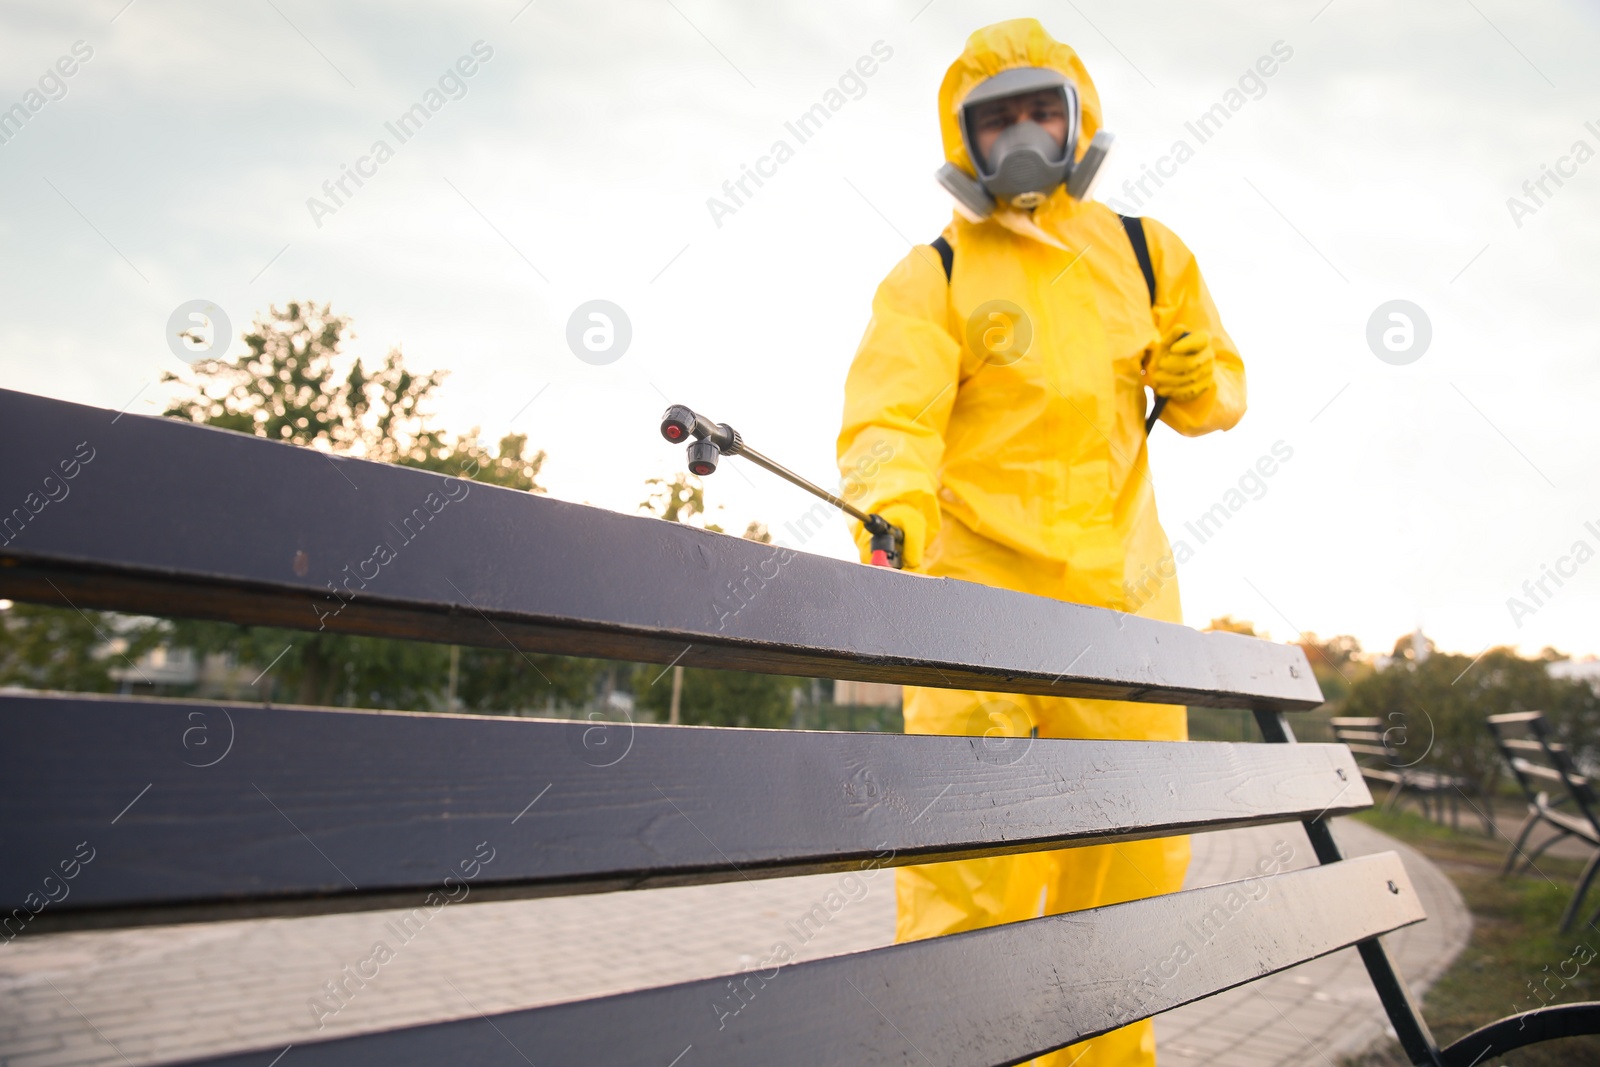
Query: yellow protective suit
[1027, 469]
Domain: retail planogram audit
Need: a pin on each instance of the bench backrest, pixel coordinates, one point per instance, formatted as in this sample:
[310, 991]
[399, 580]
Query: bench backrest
[1367, 738]
[317, 810]
[1539, 763]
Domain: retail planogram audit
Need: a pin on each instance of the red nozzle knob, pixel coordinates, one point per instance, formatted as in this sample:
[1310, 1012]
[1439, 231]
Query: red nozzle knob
[703, 456]
[677, 423]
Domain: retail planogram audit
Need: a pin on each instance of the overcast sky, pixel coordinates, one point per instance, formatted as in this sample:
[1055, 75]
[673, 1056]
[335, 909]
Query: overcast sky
[575, 163]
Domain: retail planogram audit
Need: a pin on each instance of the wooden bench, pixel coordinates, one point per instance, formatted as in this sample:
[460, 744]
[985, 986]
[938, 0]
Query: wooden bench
[1535, 760]
[1381, 760]
[112, 821]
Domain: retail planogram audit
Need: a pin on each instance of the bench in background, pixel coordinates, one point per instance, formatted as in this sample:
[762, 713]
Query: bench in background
[1381, 761]
[1535, 760]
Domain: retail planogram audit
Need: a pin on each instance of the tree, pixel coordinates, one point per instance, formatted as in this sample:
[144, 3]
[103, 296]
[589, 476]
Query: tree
[1228, 624]
[495, 680]
[296, 385]
[1336, 662]
[721, 698]
[1410, 648]
[46, 647]
[680, 499]
[1435, 709]
[1337, 653]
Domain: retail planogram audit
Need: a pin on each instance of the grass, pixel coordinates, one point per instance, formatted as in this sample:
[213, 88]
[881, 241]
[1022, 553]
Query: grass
[1515, 944]
[1235, 724]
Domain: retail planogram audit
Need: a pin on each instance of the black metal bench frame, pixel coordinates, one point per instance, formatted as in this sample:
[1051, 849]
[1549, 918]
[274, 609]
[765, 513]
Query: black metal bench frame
[1368, 739]
[320, 810]
[1581, 822]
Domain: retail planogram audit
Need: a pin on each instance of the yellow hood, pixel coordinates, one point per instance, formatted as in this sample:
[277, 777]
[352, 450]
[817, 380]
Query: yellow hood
[1003, 46]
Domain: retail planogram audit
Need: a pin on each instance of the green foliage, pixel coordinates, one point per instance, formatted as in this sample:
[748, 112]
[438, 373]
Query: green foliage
[495, 680]
[1438, 706]
[680, 499]
[719, 698]
[862, 718]
[1337, 663]
[1516, 960]
[295, 385]
[1225, 724]
[44, 647]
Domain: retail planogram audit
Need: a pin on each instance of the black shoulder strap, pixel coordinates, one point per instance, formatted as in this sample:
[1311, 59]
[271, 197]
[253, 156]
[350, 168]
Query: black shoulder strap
[1141, 252]
[947, 255]
[1132, 224]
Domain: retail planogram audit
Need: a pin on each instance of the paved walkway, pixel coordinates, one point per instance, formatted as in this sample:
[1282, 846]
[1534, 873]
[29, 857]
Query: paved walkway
[154, 995]
[1319, 1011]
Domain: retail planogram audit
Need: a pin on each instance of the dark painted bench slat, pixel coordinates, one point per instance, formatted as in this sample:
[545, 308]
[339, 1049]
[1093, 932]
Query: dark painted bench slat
[176, 519]
[994, 996]
[234, 810]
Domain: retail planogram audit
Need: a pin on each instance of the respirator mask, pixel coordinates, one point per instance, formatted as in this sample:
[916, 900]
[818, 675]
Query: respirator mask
[1024, 165]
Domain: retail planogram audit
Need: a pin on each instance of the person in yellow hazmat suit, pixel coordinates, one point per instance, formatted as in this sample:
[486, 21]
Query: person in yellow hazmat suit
[1002, 376]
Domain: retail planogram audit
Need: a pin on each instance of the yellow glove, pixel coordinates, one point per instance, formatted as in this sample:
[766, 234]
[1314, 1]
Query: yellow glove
[908, 519]
[1184, 366]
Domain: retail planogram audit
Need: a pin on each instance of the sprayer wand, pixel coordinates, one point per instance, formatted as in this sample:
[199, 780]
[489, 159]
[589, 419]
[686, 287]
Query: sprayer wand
[712, 440]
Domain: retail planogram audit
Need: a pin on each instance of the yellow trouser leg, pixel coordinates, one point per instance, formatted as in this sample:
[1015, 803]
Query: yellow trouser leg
[945, 898]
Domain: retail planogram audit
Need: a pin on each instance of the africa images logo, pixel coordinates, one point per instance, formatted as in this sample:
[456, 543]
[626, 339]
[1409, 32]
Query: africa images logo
[452, 85]
[806, 126]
